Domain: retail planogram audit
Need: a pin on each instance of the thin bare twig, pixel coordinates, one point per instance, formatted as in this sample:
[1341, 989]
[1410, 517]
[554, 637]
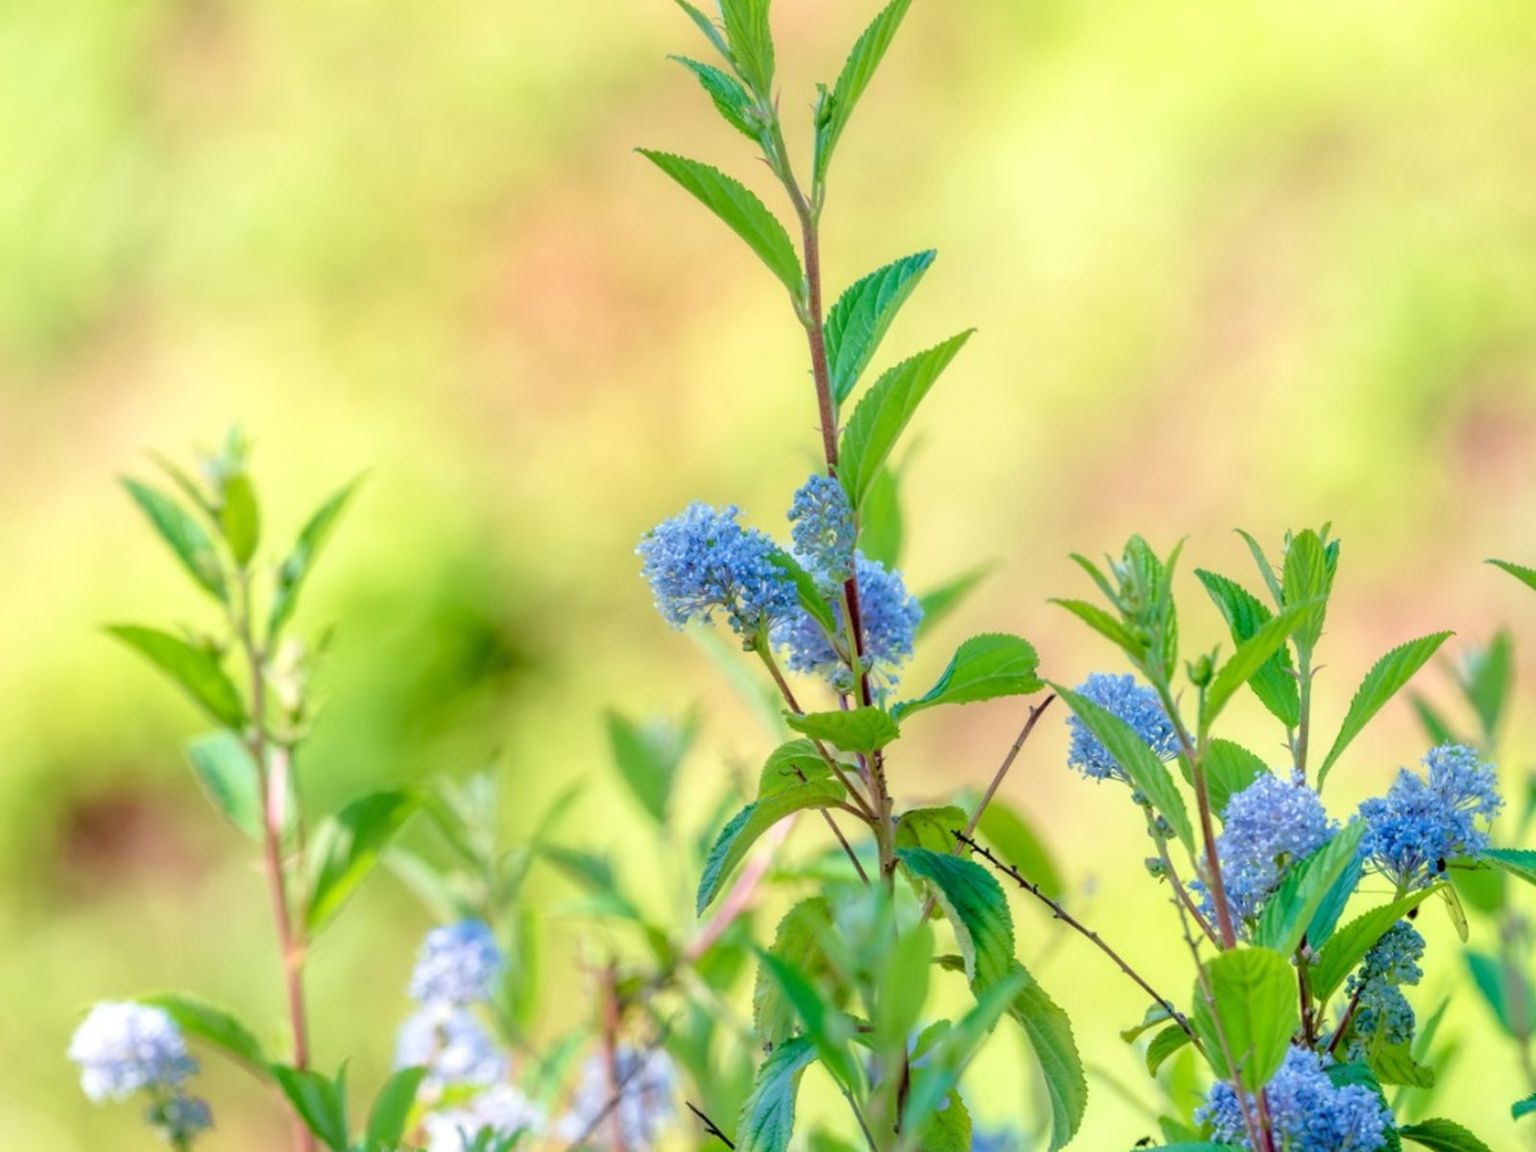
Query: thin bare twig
[710, 1127]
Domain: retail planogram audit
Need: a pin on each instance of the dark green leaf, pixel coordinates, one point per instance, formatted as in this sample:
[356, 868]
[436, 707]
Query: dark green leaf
[1229, 768]
[1348, 946]
[300, 561]
[1254, 654]
[1251, 1013]
[648, 757]
[240, 517]
[856, 730]
[183, 534]
[1275, 682]
[229, 778]
[195, 670]
[737, 837]
[1520, 862]
[1147, 773]
[740, 210]
[884, 412]
[206, 1021]
[938, 603]
[1523, 1108]
[346, 848]
[768, 1119]
[731, 100]
[392, 1106]
[318, 1102]
[857, 72]
[1381, 683]
[983, 668]
[1288, 913]
[863, 314]
[1520, 572]
[1443, 1136]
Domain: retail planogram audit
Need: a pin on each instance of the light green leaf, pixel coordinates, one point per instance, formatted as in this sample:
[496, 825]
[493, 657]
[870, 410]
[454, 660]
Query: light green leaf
[1520, 572]
[1165, 1044]
[229, 778]
[183, 534]
[320, 1104]
[856, 730]
[1050, 1035]
[983, 668]
[731, 100]
[862, 316]
[1289, 911]
[799, 941]
[195, 670]
[1348, 946]
[392, 1106]
[1252, 1013]
[1147, 773]
[1443, 1136]
[744, 829]
[1275, 682]
[740, 210]
[1506, 990]
[1307, 576]
[300, 561]
[1486, 677]
[706, 26]
[1520, 862]
[1229, 768]
[881, 531]
[1101, 622]
[751, 41]
[346, 848]
[938, 603]
[768, 1119]
[240, 518]
[789, 765]
[884, 412]
[1394, 1064]
[1254, 654]
[930, 828]
[203, 1020]
[826, 1028]
[857, 72]
[806, 592]
[1381, 683]
[648, 757]
[936, 1079]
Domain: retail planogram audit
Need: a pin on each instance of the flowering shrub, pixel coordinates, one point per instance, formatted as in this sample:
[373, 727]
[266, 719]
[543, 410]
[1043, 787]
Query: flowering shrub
[1300, 923]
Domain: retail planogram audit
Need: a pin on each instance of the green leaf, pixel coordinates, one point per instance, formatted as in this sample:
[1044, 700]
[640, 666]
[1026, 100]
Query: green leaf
[346, 848]
[1251, 1013]
[1506, 990]
[229, 778]
[1307, 576]
[1443, 1136]
[1520, 862]
[944, 1129]
[938, 603]
[706, 26]
[768, 1119]
[240, 518]
[1288, 913]
[983, 668]
[936, 1078]
[318, 1102]
[1275, 681]
[183, 534]
[1254, 653]
[791, 764]
[1348, 946]
[744, 829]
[1101, 622]
[856, 730]
[1229, 768]
[806, 592]
[648, 757]
[1050, 1035]
[392, 1106]
[751, 41]
[930, 828]
[731, 100]
[1006, 829]
[1435, 725]
[1165, 1044]
[1381, 683]
[1520, 572]
[740, 210]
[1486, 677]
[1523, 1108]
[857, 72]
[299, 562]
[195, 670]
[1147, 773]
[884, 412]
[1394, 1064]
[203, 1020]
[881, 531]
[799, 941]
[828, 1029]
[862, 316]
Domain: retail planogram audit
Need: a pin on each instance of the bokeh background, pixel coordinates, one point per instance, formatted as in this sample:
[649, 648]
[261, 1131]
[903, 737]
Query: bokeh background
[1259, 264]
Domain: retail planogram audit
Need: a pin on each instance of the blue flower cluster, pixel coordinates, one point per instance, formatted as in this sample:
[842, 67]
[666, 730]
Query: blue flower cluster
[124, 1048]
[458, 964]
[1383, 1016]
[503, 1111]
[702, 561]
[1424, 821]
[823, 528]
[889, 615]
[647, 1084]
[1269, 825]
[458, 967]
[1309, 1112]
[1132, 702]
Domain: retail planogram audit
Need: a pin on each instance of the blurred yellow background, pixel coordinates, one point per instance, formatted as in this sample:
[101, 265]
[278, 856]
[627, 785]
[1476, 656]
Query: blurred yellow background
[1250, 264]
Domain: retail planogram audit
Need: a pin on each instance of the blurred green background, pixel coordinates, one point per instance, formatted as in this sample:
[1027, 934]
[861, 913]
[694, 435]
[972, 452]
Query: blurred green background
[1253, 264]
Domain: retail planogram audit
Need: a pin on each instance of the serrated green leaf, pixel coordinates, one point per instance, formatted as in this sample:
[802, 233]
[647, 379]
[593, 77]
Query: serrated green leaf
[184, 535]
[1251, 1014]
[1443, 1136]
[706, 26]
[751, 41]
[1147, 773]
[1520, 572]
[1307, 576]
[883, 414]
[799, 941]
[347, 847]
[1289, 911]
[240, 518]
[392, 1106]
[229, 778]
[1275, 682]
[731, 100]
[744, 829]
[1101, 622]
[203, 1020]
[930, 828]
[1381, 683]
[1519, 862]
[318, 1102]
[1229, 768]
[299, 562]
[1394, 1064]
[740, 210]
[857, 72]
[1165, 1044]
[938, 603]
[862, 316]
[1050, 1035]
[825, 1027]
[195, 670]
[856, 730]
[983, 668]
[1348, 946]
[648, 757]
[1255, 653]
[790, 764]
[768, 1118]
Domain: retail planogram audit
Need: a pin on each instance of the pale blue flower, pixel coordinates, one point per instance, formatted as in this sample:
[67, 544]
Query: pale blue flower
[1308, 1111]
[1269, 825]
[458, 964]
[181, 1119]
[1425, 821]
[823, 528]
[1132, 702]
[123, 1048]
[504, 1111]
[452, 1045]
[647, 1086]
[890, 616]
